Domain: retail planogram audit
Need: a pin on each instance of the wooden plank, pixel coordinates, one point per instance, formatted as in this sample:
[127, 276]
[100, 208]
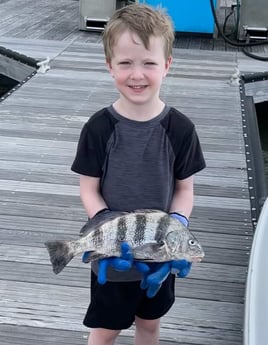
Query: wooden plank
[221, 249]
[223, 315]
[25, 335]
[39, 197]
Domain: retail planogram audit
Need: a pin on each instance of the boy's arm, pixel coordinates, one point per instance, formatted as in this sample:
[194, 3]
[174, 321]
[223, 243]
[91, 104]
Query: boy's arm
[93, 203]
[90, 195]
[183, 197]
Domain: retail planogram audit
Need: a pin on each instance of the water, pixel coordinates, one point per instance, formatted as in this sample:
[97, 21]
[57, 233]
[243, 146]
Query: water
[262, 114]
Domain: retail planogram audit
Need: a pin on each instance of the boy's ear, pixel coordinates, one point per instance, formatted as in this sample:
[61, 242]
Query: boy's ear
[167, 65]
[169, 61]
[109, 67]
[108, 63]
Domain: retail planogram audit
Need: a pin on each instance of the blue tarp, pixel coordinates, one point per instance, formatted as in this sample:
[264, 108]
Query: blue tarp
[188, 15]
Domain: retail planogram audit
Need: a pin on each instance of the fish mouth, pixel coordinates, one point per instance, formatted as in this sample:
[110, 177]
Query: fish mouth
[197, 258]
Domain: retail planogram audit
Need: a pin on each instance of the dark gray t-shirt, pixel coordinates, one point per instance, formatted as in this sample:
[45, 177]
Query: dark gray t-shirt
[138, 161]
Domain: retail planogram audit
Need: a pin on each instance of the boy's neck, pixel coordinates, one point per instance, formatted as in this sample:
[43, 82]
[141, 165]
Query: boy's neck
[139, 112]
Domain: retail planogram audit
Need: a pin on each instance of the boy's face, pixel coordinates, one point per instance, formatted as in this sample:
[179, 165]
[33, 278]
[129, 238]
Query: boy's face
[138, 72]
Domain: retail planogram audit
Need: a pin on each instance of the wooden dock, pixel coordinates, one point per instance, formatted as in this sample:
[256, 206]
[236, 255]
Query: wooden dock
[39, 196]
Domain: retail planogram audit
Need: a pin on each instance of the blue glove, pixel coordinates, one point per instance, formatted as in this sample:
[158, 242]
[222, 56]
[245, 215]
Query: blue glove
[122, 263]
[181, 218]
[159, 272]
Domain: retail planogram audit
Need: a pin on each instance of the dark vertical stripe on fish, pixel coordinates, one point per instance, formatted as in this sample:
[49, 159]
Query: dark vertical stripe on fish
[121, 229]
[97, 239]
[141, 222]
[162, 227]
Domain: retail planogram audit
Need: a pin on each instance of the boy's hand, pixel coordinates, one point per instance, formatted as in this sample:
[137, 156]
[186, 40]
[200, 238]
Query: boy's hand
[180, 217]
[122, 263]
[159, 272]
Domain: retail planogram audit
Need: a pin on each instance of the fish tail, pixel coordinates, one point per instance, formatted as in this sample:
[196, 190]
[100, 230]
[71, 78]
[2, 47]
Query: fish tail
[60, 253]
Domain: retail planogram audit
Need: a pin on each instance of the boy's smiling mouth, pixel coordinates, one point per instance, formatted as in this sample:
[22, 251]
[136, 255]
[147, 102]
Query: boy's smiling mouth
[137, 87]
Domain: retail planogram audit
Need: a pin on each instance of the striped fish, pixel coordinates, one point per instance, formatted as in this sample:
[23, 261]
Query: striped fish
[153, 235]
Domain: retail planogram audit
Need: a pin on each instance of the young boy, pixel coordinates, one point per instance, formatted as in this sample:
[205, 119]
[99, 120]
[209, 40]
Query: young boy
[137, 153]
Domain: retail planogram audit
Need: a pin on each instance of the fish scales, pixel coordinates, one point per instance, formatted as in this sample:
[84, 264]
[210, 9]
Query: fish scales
[162, 227]
[108, 237]
[137, 230]
[121, 229]
[98, 238]
[141, 222]
[105, 239]
[142, 228]
[152, 234]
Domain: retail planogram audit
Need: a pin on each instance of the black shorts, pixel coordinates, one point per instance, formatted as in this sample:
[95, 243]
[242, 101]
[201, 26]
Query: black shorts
[114, 305]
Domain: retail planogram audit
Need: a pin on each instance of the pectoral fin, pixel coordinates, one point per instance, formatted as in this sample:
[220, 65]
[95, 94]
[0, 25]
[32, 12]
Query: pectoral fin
[149, 251]
[96, 256]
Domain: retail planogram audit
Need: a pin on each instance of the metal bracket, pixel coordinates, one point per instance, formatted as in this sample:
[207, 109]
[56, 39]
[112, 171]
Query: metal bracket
[256, 33]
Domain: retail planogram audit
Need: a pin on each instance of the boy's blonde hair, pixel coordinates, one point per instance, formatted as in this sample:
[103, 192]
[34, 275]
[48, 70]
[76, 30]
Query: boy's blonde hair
[142, 20]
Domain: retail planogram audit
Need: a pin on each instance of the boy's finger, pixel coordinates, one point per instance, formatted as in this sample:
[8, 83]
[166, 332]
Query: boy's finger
[86, 257]
[152, 290]
[120, 264]
[126, 251]
[184, 272]
[160, 275]
[102, 274]
[141, 267]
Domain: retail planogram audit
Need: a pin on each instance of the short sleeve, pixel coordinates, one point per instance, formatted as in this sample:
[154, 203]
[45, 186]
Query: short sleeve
[189, 160]
[92, 144]
[188, 156]
[88, 156]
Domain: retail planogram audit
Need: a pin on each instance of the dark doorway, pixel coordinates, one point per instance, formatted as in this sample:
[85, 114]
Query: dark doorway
[6, 84]
[262, 116]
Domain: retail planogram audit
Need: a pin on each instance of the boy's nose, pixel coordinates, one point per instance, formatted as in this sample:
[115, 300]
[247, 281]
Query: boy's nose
[136, 73]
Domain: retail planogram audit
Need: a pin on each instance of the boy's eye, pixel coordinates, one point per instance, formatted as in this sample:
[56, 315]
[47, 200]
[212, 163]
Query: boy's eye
[124, 63]
[150, 63]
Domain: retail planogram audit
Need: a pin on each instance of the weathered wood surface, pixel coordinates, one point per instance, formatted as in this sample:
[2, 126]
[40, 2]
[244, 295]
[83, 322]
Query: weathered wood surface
[40, 124]
[39, 198]
[58, 20]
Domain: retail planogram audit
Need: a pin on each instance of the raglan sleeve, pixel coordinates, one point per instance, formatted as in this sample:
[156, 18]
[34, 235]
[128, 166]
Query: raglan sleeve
[189, 158]
[88, 158]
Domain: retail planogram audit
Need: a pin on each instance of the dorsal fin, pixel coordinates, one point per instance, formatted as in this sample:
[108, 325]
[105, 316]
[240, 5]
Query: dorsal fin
[99, 220]
[148, 210]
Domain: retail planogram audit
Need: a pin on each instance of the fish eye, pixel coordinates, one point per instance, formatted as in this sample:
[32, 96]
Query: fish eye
[191, 242]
